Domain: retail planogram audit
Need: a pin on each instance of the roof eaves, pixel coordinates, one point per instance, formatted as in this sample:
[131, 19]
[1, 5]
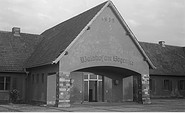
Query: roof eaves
[31, 66]
[17, 71]
[83, 30]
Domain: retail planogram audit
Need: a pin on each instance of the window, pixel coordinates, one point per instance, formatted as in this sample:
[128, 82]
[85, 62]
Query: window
[42, 77]
[92, 76]
[33, 78]
[182, 85]
[152, 85]
[4, 83]
[150, 82]
[99, 77]
[14, 83]
[167, 85]
[86, 76]
[37, 78]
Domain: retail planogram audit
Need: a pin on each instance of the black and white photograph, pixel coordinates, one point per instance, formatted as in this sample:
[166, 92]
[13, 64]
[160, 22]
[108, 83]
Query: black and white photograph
[92, 55]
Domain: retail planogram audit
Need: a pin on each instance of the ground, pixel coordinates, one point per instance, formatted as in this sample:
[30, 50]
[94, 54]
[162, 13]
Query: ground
[158, 105]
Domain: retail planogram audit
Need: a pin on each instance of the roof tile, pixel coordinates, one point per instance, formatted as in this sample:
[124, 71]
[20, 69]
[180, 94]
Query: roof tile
[58, 38]
[169, 60]
[15, 50]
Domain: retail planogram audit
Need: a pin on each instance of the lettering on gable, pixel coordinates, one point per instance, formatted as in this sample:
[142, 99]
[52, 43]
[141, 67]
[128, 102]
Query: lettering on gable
[104, 58]
[108, 19]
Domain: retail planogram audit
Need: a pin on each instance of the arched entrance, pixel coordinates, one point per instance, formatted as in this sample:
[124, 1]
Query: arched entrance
[104, 84]
[105, 47]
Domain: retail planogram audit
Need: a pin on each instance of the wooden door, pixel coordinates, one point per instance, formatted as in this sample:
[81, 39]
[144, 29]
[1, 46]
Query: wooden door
[128, 88]
[51, 89]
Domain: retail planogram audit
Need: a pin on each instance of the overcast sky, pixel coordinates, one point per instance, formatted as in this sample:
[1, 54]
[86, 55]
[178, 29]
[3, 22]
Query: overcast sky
[150, 20]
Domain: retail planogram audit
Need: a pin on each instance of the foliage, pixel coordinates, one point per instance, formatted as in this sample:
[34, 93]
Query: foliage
[14, 95]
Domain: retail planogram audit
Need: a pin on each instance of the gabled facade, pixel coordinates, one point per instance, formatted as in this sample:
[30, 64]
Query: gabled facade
[97, 42]
[92, 57]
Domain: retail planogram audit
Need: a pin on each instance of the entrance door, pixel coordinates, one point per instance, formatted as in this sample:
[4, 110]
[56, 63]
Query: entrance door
[93, 91]
[93, 88]
[51, 89]
[128, 88]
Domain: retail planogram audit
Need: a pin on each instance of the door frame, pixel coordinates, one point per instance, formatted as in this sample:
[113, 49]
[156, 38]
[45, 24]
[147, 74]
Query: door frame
[54, 89]
[97, 86]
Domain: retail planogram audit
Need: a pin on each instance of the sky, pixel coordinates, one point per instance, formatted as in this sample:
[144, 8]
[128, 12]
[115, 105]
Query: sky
[149, 20]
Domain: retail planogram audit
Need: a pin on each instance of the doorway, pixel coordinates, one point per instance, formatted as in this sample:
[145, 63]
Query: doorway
[93, 88]
[93, 91]
[51, 89]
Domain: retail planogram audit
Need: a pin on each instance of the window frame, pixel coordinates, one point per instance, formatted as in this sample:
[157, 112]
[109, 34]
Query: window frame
[43, 78]
[152, 85]
[37, 78]
[88, 77]
[5, 88]
[181, 84]
[167, 85]
[33, 78]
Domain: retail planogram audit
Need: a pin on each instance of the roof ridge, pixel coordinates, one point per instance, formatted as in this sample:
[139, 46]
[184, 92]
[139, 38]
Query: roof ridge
[73, 17]
[1, 31]
[158, 44]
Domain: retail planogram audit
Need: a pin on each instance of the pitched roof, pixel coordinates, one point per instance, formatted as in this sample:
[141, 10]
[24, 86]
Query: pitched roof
[14, 50]
[57, 38]
[60, 37]
[169, 60]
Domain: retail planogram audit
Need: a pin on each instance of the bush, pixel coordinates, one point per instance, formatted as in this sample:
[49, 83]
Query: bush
[14, 95]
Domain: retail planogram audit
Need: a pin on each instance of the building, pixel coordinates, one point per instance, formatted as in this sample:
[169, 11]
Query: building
[92, 57]
[15, 48]
[167, 80]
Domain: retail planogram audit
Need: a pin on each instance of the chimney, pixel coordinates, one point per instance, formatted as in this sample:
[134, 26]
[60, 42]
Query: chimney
[16, 31]
[162, 43]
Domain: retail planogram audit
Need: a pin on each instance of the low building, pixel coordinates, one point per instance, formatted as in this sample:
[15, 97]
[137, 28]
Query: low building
[91, 57]
[15, 49]
[168, 79]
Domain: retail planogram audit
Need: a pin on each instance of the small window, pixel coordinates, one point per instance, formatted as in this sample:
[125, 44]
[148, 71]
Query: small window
[150, 82]
[14, 83]
[1, 83]
[182, 85]
[42, 77]
[37, 78]
[7, 83]
[167, 85]
[33, 78]
[99, 77]
[152, 85]
[86, 76]
[4, 83]
[93, 76]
